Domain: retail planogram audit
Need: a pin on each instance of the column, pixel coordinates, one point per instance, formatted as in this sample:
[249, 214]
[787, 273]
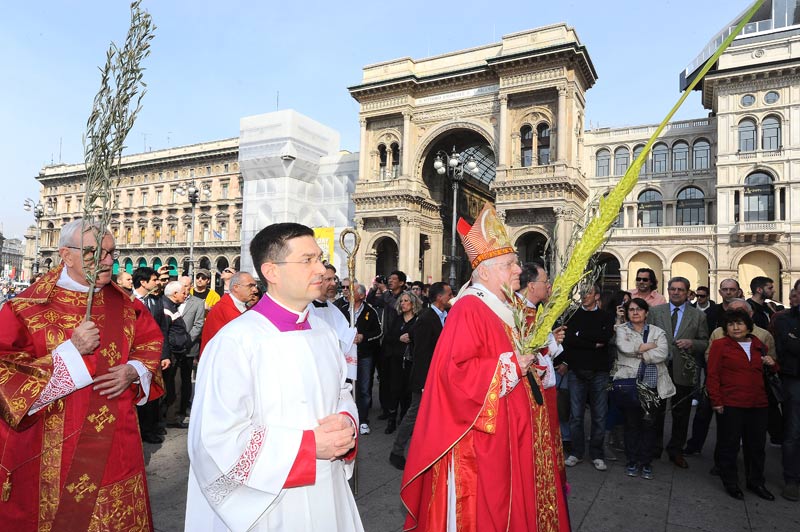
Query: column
[413, 272]
[403, 246]
[561, 129]
[561, 237]
[362, 157]
[777, 203]
[405, 153]
[623, 279]
[436, 256]
[515, 143]
[502, 134]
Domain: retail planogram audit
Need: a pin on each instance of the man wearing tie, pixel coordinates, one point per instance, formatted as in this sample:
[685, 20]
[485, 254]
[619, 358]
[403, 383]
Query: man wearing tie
[690, 339]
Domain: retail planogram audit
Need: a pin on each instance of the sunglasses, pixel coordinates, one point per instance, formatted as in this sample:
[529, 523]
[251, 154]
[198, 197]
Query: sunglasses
[642, 279]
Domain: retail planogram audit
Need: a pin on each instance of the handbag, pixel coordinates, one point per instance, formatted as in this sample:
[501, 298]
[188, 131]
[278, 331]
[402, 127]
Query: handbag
[774, 385]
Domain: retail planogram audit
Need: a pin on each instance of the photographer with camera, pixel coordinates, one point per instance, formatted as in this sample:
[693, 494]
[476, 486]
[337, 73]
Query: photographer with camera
[383, 296]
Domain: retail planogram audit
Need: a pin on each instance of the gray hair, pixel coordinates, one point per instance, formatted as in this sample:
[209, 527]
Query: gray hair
[172, 288]
[71, 230]
[236, 278]
[741, 300]
[476, 276]
[416, 303]
[679, 279]
[360, 288]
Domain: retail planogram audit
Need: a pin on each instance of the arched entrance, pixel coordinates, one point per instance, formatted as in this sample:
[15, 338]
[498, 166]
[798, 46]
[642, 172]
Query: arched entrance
[532, 247]
[691, 265]
[237, 264]
[128, 265]
[115, 268]
[609, 276]
[156, 263]
[460, 177]
[386, 256]
[760, 263]
[172, 262]
[222, 263]
[142, 262]
[205, 263]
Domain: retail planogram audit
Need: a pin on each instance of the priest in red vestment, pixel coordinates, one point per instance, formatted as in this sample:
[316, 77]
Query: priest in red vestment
[243, 290]
[481, 458]
[70, 451]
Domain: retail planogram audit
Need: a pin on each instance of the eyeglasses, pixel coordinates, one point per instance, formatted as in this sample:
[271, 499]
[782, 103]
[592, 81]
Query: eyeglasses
[642, 279]
[702, 295]
[228, 270]
[308, 261]
[88, 253]
[635, 309]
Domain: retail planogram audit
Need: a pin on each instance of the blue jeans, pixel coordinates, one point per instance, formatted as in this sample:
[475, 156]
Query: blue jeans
[594, 385]
[562, 383]
[364, 376]
[791, 431]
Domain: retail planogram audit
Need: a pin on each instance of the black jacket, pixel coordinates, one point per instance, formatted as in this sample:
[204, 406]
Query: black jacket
[177, 336]
[368, 323]
[424, 335]
[586, 329]
[156, 308]
[787, 341]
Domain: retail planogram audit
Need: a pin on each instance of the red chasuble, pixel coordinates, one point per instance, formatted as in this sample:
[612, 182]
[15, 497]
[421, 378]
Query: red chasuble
[76, 464]
[478, 415]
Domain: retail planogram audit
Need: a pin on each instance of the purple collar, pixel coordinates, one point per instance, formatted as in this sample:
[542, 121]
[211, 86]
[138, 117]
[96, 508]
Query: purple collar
[281, 317]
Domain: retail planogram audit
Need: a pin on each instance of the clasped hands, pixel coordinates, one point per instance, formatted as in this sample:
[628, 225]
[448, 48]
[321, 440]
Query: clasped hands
[86, 338]
[335, 436]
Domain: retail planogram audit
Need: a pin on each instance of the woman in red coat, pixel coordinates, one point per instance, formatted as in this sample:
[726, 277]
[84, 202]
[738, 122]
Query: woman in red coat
[735, 385]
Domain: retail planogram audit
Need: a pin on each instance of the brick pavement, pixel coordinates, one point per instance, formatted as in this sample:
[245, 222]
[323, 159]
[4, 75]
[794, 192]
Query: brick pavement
[676, 500]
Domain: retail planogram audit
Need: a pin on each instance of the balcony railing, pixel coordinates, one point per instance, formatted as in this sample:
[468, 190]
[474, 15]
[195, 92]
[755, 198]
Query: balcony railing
[664, 231]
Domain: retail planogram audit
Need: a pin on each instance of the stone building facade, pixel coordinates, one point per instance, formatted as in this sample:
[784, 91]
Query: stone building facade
[152, 221]
[717, 197]
[515, 108]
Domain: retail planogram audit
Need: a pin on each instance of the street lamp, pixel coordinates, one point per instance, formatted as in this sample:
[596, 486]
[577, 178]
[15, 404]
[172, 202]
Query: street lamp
[195, 194]
[38, 212]
[454, 165]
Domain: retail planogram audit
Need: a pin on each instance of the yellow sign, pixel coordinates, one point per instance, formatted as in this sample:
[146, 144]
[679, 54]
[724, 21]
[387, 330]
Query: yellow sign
[325, 238]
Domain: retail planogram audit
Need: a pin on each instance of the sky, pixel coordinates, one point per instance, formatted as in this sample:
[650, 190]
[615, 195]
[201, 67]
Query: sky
[215, 62]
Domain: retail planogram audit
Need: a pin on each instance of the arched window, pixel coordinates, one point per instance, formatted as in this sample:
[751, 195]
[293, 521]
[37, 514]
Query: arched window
[622, 159]
[526, 146]
[603, 158]
[759, 198]
[637, 150]
[205, 233]
[395, 159]
[691, 207]
[383, 156]
[543, 144]
[680, 157]
[770, 134]
[660, 152]
[651, 210]
[747, 135]
[702, 154]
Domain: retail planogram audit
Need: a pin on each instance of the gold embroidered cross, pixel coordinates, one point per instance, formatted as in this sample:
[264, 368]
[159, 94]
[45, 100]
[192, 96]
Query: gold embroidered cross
[81, 488]
[111, 353]
[101, 418]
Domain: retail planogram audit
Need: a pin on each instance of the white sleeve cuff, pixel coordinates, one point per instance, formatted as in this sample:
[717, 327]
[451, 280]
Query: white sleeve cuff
[145, 379]
[69, 374]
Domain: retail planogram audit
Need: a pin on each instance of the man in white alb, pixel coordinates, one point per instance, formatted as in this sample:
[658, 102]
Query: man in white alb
[272, 432]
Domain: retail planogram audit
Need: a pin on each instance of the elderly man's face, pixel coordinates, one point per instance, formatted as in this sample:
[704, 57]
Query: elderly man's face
[79, 261]
[728, 290]
[245, 289]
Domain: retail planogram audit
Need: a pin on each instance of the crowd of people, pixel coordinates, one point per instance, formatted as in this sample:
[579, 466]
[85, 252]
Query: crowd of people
[485, 430]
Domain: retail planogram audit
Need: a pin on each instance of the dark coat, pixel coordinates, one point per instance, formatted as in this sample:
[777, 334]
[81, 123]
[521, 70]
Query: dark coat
[786, 327]
[368, 323]
[424, 335]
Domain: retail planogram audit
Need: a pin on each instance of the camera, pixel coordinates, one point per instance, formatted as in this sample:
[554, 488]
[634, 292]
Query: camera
[381, 279]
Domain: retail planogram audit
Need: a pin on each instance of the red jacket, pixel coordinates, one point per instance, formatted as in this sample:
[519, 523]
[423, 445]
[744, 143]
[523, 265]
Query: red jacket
[732, 379]
[219, 315]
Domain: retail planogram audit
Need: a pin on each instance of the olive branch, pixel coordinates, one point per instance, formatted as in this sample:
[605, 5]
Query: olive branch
[114, 111]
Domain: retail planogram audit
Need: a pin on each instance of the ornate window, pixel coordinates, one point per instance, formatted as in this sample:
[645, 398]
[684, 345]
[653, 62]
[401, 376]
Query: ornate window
[691, 207]
[747, 135]
[759, 198]
[383, 156]
[603, 160]
[637, 150]
[702, 154]
[621, 160]
[172, 233]
[395, 159]
[543, 144]
[651, 210]
[680, 157]
[771, 97]
[771, 134]
[526, 146]
[660, 153]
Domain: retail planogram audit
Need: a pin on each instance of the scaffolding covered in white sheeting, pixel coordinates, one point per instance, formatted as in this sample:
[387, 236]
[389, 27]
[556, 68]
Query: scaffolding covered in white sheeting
[293, 171]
